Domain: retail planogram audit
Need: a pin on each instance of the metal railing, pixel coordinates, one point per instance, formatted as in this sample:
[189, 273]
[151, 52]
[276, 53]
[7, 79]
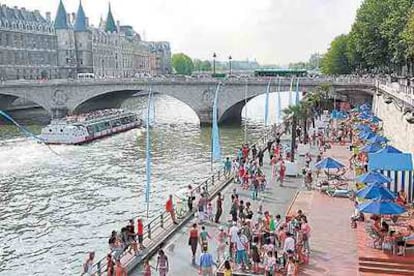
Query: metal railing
[159, 225]
[398, 90]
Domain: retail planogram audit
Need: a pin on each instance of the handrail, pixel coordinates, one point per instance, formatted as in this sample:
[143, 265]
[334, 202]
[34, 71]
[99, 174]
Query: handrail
[159, 221]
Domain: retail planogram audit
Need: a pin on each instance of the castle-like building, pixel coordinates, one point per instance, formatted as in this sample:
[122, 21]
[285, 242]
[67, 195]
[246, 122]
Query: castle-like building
[34, 47]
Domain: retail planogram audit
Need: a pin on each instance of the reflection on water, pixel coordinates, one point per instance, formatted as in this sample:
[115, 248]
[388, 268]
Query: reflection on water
[57, 205]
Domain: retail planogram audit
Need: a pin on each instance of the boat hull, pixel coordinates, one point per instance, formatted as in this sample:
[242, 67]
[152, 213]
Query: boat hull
[98, 136]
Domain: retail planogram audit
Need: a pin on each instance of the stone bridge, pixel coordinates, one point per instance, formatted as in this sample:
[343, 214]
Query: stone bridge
[61, 97]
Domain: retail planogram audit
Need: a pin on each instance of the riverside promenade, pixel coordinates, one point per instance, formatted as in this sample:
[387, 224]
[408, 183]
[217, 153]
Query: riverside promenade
[333, 243]
[276, 200]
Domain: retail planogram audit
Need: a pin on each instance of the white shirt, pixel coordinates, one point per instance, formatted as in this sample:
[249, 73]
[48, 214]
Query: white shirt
[233, 233]
[240, 242]
[289, 244]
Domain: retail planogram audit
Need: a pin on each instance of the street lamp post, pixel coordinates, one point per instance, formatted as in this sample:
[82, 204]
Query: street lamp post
[214, 63]
[230, 58]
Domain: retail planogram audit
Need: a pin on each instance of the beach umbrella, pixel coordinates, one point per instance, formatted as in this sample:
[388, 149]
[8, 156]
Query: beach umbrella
[364, 128]
[366, 135]
[375, 190]
[375, 119]
[370, 148]
[381, 207]
[377, 139]
[329, 163]
[389, 149]
[372, 177]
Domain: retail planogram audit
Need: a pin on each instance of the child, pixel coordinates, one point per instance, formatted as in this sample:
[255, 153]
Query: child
[254, 251]
[210, 214]
[227, 269]
[291, 269]
[203, 237]
[270, 264]
[147, 268]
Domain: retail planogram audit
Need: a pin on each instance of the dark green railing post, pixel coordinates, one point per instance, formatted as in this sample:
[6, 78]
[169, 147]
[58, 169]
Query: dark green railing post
[212, 180]
[207, 186]
[98, 268]
[162, 220]
[149, 230]
[219, 174]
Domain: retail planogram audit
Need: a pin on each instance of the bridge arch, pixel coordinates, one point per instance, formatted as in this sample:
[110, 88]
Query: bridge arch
[7, 99]
[115, 99]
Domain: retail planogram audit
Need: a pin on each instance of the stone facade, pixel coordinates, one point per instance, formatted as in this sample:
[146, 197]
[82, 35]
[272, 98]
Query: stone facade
[34, 47]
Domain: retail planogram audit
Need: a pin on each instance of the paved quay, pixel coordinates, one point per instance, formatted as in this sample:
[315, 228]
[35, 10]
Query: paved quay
[333, 242]
[276, 200]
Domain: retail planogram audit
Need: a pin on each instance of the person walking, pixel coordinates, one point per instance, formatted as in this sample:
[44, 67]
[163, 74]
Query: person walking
[162, 263]
[169, 207]
[206, 263]
[190, 198]
[219, 208]
[193, 241]
[88, 265]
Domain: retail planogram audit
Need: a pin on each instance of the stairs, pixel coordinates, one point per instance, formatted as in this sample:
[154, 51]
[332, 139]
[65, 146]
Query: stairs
[381, 266]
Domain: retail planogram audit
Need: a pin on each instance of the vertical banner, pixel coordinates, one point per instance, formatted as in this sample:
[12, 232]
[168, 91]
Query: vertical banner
[267, 103]
[148, 152]
[291, 91]
[215, 135]
[297, 100]
[279, 101]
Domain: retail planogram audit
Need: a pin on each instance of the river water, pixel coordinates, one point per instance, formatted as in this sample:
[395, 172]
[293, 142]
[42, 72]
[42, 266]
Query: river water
[57, 203]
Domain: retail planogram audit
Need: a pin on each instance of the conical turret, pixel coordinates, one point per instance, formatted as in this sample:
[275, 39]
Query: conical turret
[110, 25]
[80, 23]
[61, 20]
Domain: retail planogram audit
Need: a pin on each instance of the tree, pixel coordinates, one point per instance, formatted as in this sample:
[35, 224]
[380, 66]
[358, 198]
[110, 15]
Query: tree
[295, 113]
[206, 66]
[197, 64]
[335, 61]
[182, 64]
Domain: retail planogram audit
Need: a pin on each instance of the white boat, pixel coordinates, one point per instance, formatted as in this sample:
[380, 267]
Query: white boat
[84, 128]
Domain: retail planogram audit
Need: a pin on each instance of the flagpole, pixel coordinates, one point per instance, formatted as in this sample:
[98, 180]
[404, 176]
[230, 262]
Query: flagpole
[215, 141]
[245, 111]
[267, 103]
[148, 153]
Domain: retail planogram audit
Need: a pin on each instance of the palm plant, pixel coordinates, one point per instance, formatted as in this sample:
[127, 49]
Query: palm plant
[293, 113]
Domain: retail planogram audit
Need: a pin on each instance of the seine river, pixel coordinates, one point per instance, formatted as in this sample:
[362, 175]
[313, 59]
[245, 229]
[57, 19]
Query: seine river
[58, 203]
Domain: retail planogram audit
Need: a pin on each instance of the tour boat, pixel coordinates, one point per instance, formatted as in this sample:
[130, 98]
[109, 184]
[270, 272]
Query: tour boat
[84, 128]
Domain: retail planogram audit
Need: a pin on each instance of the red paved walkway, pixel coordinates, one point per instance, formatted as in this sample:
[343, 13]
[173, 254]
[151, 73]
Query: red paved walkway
[333, 242]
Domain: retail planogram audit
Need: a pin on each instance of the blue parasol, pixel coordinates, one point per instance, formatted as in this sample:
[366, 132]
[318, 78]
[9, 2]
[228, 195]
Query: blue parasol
[375, 119]
[371, 148]
[389, 149]
[380, 207]
[366, 135]
[372, 177]
[329, 163]
[378, 139]
[364, 128]
[375, 190]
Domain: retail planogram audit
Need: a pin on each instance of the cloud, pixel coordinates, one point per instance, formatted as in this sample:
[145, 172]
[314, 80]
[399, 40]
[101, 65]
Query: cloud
[273, 31]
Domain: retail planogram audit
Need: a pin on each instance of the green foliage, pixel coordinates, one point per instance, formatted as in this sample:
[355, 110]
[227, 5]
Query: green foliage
[335, 61]
[312, 64]
[408, 35]
[381, 39]
[182, 64]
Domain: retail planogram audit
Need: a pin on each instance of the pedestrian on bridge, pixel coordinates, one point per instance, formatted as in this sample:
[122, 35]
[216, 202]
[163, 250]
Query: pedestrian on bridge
[169, 207]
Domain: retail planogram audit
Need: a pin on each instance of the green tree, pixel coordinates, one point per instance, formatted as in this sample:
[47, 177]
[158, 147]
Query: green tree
[182, 64]
[197, 65]
[206, 66]
[408, 37]
[335, 61]
[294, 113]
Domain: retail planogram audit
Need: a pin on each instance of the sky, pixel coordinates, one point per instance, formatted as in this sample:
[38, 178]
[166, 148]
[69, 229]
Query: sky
[270, 31]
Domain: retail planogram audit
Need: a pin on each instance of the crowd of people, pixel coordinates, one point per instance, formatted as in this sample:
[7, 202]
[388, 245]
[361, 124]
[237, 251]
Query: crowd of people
[93, 115]
[258, 241]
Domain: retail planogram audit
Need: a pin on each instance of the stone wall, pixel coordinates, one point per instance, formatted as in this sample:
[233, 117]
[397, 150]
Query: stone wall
[396, 128]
